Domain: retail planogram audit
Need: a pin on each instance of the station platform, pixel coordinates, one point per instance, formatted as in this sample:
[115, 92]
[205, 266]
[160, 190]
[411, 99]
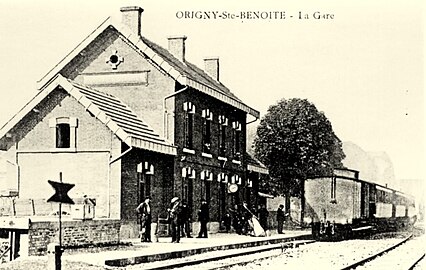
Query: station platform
[164, 250]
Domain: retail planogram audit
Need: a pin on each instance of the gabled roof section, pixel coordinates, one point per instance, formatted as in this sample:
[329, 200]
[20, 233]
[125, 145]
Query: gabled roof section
[185, 73]
[255, 165]
[117, 116]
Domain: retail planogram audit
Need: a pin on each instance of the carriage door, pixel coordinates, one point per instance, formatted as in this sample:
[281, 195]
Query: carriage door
[364, 200]
[372, 201]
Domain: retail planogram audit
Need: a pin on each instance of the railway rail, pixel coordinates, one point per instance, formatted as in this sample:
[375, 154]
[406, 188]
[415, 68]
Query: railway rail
[223, 258]
[324, 256]
[404, 255]
[243, 260]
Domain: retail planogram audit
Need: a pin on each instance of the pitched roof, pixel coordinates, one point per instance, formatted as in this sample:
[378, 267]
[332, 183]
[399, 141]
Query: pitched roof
[189, 70]
[117, 116]
[185, 73]
[255, 165]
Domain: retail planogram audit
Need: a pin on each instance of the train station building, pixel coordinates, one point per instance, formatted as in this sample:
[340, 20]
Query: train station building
[123, 118]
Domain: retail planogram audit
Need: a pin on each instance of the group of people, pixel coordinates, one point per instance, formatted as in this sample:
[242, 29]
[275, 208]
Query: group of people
[179, 217]
[243, 220]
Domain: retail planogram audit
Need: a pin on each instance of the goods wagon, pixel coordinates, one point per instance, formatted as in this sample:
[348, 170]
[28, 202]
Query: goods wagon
[343, 205]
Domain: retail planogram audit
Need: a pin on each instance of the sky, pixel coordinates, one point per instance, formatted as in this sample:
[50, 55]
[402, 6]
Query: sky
[364, 68]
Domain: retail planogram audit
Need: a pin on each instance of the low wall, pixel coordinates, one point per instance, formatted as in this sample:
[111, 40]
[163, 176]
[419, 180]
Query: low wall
[74, 233]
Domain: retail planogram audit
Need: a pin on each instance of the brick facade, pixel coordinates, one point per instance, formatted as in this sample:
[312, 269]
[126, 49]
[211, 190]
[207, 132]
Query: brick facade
[200, 162]
[74, 233]
[160, 186]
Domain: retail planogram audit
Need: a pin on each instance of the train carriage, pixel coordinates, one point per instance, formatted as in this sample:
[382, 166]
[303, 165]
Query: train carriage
[342, 205]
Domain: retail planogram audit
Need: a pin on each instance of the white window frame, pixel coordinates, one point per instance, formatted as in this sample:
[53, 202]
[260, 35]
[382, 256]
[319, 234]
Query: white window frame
[73, 124]
[188, 172]
[206, 175]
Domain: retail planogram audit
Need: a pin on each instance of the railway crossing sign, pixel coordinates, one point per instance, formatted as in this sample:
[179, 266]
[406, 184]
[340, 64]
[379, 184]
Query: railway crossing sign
[61, 190]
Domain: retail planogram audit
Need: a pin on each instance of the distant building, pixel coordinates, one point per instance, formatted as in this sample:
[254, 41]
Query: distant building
[416, 187]
[123, 118]
[375, 167]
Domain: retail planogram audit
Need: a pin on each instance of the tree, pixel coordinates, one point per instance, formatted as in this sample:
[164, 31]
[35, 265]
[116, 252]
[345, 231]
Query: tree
[296, 142]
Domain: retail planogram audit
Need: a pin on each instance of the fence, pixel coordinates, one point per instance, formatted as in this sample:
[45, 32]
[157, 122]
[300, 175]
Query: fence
[30, 207]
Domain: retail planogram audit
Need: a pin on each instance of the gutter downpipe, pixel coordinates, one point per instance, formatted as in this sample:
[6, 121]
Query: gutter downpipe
[165, 111]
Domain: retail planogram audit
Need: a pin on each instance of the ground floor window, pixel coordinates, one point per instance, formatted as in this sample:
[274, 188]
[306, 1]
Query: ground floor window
[187, 192]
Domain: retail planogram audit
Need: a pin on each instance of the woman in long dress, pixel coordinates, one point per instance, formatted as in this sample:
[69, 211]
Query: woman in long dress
[253, 222]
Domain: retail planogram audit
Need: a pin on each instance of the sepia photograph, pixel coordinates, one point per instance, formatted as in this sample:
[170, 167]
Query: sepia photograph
[189, 134]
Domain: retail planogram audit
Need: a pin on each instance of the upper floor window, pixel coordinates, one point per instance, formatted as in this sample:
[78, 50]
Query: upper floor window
[223, 122]
[64, 132]
[207, 119]
[63, 135]
[189, 109]
[236, 138]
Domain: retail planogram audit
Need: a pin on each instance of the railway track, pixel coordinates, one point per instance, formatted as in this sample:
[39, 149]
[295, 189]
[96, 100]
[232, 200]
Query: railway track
[223, 258]
[292, 260]
[369, 254]
[406, 254]
[274, 251]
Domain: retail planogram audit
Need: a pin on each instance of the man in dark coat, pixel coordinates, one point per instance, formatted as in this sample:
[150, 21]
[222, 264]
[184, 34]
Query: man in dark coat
[203, 217]
[280, 218]
[263, 217]
[226, 220]
[175, 215]
[186, 219]
[236, 219]
[144, 211]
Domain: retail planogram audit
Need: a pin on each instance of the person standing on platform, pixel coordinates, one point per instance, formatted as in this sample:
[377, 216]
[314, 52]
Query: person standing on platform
[186, 220]
[203, 217]
[263, 217]
[280, 218]
[144, 211]
[226, 220]
[236, 219]
[175, 216]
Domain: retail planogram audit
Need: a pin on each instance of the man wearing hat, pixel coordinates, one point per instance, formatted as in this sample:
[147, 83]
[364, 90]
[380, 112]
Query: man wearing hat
[144, 211]
[186, 220]
[203, 217]
[175, 214]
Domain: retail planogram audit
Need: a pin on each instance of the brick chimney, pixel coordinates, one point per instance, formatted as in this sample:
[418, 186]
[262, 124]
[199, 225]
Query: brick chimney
[131, 17]
[177, 47]
[211, 67]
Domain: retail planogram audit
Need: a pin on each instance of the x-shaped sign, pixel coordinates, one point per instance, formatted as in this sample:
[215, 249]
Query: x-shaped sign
[61, 190]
